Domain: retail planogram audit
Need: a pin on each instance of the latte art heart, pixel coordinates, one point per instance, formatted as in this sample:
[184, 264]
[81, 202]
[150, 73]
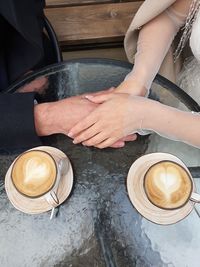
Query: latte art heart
[167, 185]
[34, 173]
[166, 180]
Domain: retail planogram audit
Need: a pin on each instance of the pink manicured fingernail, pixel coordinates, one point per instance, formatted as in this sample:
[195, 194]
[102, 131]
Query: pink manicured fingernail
[70, 134]
[121, 145]
[89, 96]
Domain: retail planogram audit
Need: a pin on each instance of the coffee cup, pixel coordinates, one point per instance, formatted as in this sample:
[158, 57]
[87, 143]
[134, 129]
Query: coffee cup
[169, 185]
[37, 173]
[148, 194]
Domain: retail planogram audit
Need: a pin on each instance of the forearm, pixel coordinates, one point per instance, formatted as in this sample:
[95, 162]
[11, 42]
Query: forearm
[44, 122]
[155, 39]
[150, 52]
[172, 123]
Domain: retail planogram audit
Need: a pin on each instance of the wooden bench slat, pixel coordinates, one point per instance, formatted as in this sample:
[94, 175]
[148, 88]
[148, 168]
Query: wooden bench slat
[92, 23]
[56, 3]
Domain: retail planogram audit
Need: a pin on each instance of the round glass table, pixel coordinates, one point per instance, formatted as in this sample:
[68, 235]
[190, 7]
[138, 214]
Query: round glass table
[97, 225]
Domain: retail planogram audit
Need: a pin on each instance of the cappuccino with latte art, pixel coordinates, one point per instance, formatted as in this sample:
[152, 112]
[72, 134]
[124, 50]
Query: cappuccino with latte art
[34, 173]
[168, 185]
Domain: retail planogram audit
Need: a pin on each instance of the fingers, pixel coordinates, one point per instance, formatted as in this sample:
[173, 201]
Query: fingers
[118, 144]
[111, 142]
[92, 133]
[81, 126]
[128, 138]
[99, 99]
[97, 139]
[34, 86]
[121, 142]
[99, 92]
[107, 143]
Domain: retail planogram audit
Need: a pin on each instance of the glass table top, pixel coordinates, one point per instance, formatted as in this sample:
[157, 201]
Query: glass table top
[97, 225]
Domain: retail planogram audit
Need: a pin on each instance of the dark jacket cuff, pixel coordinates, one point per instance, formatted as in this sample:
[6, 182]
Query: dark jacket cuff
[17, 128]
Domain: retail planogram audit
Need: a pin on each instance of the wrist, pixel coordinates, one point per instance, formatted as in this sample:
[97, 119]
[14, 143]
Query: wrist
[132, 87]
[44, 122]
[151, 115]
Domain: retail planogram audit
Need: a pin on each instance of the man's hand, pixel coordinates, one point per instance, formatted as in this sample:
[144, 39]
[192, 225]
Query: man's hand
[38, 85]
[60, 116]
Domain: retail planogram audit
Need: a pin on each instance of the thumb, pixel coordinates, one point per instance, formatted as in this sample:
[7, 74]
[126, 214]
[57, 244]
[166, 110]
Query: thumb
[99, 98]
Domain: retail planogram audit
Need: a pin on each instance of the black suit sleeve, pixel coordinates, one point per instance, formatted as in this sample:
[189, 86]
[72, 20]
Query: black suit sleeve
[17, 128]
[21, 30]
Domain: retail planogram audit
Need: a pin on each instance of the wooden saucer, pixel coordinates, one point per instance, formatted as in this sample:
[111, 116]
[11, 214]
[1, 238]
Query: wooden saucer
[39, 205]
[135, 181]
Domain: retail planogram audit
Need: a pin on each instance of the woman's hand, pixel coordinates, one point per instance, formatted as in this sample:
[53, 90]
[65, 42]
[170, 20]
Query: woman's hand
[118, 116]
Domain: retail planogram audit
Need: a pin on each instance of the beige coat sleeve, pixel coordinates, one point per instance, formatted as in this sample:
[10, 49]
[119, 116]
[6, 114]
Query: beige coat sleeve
[149, 10]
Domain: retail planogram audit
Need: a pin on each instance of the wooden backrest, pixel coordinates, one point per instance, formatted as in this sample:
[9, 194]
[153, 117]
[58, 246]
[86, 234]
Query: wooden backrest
[80, 22]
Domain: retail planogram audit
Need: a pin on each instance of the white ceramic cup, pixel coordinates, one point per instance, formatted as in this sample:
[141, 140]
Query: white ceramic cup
[62, 167]
[191, 195]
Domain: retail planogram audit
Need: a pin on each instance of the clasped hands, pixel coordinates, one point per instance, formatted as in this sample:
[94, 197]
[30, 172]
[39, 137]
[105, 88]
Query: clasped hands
[104, 119]
[115, 120]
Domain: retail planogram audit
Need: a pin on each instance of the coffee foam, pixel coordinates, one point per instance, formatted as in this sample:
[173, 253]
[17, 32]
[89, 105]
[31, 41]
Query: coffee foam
[35, 170]
[167, 185]
[34, 173]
